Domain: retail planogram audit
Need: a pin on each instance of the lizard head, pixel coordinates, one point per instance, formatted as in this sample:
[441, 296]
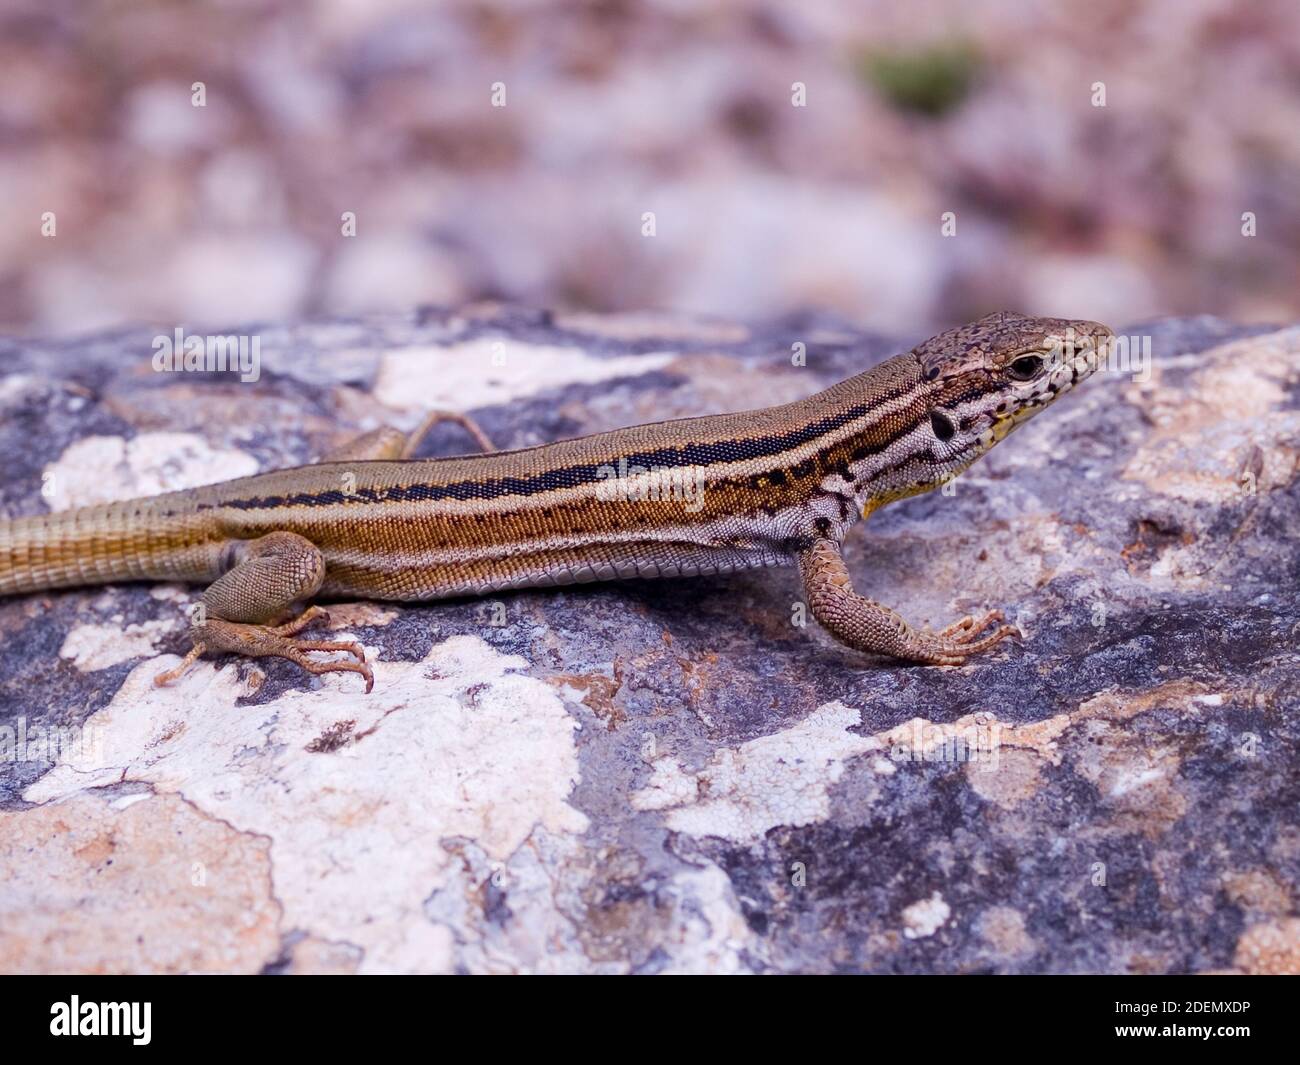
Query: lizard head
[992, 375]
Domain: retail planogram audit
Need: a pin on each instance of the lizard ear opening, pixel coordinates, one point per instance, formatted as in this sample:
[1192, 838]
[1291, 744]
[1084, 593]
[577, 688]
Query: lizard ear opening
[942, 426]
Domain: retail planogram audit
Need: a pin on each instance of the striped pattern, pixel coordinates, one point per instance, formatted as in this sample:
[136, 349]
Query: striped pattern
[542, 516]
[719, 493]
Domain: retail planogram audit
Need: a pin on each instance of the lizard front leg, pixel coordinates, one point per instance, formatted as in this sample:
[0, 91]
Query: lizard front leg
[867, 626]
[245, 609]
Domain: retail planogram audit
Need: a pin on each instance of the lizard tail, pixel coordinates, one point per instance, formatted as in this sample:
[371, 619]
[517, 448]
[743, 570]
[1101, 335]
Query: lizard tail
[125, 541]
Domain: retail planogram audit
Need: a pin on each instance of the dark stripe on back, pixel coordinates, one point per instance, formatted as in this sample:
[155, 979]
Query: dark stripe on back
[691, 454]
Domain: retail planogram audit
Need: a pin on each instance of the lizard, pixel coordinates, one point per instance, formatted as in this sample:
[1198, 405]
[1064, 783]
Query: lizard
[772, 487]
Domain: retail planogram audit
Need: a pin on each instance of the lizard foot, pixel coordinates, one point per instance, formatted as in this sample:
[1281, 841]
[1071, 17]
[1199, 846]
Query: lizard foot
[953, 645]
[266, 641]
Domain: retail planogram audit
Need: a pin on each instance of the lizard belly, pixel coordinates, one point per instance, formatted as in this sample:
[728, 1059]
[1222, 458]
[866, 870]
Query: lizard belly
[442, 574]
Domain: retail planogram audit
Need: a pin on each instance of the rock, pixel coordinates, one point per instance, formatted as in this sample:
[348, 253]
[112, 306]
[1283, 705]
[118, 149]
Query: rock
[671, 776]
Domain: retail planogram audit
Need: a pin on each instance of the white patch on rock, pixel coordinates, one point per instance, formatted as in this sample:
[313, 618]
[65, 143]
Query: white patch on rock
[15, 384]
[782, 779]
[93, 647]
[924, 918]
[694, 918]
[708, 933]
[1132, 777]
[487, 371]
[1218, 439]
[357, 794]
[541, 885]
[101, 469]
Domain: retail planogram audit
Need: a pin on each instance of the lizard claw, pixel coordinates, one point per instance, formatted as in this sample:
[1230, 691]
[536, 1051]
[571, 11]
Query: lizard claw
[967, 629]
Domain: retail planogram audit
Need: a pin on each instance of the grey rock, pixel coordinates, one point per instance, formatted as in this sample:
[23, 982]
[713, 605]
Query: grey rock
[755, 796]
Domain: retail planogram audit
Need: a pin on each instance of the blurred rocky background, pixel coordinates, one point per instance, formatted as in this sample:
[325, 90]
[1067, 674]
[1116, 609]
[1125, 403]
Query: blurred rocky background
[231, 212]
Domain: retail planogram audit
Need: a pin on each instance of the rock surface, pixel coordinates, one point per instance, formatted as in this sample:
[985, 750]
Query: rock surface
[673, 776]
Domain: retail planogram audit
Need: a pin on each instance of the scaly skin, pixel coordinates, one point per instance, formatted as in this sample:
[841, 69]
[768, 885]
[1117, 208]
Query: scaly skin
[771, 487]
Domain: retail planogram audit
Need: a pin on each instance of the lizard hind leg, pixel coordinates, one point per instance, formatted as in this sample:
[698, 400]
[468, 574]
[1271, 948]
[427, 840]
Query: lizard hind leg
[245, 609]
[388, 443]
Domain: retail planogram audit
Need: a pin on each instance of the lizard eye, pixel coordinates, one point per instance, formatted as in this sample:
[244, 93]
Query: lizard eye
[1026, 367]
[942, 426]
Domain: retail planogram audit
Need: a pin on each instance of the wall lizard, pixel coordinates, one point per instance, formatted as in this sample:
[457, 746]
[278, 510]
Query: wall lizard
[778, 486]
